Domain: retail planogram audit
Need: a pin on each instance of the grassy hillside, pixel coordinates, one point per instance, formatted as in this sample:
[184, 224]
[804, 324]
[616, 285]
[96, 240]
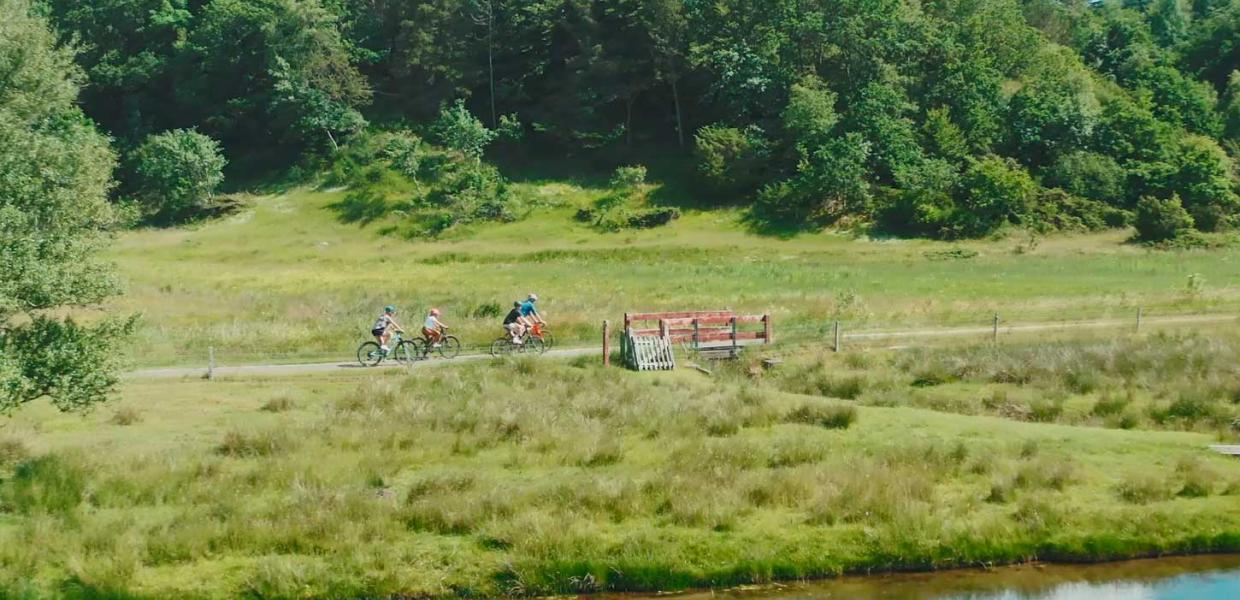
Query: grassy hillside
[289, 278]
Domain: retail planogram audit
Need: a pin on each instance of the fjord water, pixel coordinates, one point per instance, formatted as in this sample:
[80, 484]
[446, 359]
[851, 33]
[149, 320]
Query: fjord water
[1178, 578]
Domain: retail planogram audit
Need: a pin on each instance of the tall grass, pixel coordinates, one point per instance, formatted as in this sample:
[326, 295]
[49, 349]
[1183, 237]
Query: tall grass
[1175, 382]
[544, 478]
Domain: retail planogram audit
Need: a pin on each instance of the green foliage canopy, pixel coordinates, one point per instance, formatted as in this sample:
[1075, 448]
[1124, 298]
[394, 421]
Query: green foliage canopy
[55, 175]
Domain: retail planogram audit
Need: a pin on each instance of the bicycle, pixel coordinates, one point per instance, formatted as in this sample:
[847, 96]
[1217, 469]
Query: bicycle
[403, 351]
[449, 347]
[540, 331]
[504, 346]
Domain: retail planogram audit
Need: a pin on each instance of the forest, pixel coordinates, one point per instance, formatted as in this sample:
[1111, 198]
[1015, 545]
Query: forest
[947, 118]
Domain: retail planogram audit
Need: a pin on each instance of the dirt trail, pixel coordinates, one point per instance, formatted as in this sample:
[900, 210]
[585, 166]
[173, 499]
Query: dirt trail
[294, 369]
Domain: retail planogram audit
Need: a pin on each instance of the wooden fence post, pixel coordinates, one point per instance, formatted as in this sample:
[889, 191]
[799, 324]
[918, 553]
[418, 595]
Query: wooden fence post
[995, 333]
[734, 332]
[211, 363]
[837, 335]
[606, 343]
[768, 331]
[1139, 319]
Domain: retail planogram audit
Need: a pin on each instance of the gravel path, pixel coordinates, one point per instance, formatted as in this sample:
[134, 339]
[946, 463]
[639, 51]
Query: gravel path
[267, 370]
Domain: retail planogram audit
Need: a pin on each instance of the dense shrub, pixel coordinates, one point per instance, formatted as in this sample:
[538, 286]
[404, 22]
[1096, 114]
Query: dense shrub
[1203, 178]
[459, 130]
[731, 159]
[1160, 220]
[176, 173]
[993, 192]
[630, 177]
[1088, 175]
[1059, 210]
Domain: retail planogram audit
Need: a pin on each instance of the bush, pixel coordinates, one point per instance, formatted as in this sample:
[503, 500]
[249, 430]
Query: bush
[731, 159]
[993, 192]
[830, 182]
[47, 484]
[253, 445]
[1089, 175]
[924, 201]
[822, 413]
[1161, 220]
[459, 130]
[627, 178]
[176, 173]
[1143, 489]
[1062, 211]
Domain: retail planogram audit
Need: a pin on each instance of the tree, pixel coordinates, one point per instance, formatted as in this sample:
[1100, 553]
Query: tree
[829, 183]
[810, 115]
[1168, 21]
[668, 26]
[177, 172]
[1050, 117]
[1203, 177]
[55, 173]
[1162, 220]
[942, 137]
[993, 192]
[129, 50]
[1089, 175]
[271, 69]
[732, 160]
[880, 113]
[459, 130]
[1231, 107]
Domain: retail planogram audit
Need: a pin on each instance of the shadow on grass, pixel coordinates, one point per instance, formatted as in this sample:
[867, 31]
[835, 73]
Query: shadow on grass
[362, 207]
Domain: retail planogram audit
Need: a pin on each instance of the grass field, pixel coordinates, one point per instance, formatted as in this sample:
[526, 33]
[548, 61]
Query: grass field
[542, 477]
[286, 280]
[537, 477]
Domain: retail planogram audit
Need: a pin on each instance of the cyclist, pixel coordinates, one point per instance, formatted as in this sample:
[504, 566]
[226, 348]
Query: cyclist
[433, 328]
[382, 329]
[513, 325]
[530, 318]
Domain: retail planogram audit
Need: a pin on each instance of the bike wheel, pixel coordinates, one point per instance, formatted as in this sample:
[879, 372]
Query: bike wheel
[449, 347]
[501, 347]
[369, 354]
[418, 349]
[548, 340]
[406, 352]
[535, 345]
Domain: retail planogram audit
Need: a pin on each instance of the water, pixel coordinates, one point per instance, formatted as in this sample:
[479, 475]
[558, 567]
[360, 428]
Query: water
[1181, 578]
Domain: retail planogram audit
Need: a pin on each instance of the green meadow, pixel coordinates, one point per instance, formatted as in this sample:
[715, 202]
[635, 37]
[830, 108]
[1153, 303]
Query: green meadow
[291, 278]
[537, 477]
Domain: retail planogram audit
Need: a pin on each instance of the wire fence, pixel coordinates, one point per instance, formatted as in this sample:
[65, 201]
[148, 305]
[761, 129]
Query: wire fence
[835, 334]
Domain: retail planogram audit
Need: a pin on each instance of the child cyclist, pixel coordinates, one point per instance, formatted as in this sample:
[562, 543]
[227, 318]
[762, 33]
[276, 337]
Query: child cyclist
[433, 328]
[382, 329]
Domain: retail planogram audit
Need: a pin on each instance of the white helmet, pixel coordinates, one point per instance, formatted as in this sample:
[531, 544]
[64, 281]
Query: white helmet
[534, 297]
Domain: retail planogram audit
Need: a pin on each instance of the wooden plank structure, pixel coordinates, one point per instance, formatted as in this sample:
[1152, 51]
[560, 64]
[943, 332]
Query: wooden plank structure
[1232, 450]
[713, 334]
[652, 353]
